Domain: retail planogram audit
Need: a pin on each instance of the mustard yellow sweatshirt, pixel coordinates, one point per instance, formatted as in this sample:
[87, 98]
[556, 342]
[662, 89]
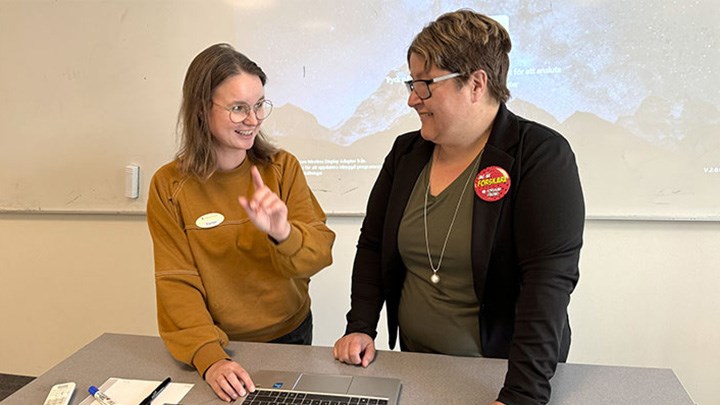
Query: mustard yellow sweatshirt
[218, 277]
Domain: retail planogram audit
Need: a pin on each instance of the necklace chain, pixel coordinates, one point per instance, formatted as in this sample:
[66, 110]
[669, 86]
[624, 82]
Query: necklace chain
[435, 278]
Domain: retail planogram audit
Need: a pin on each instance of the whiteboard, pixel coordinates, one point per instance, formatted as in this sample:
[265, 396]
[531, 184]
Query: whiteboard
[89, 87]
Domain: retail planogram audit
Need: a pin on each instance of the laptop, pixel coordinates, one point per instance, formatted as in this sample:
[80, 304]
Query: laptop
[291, 387]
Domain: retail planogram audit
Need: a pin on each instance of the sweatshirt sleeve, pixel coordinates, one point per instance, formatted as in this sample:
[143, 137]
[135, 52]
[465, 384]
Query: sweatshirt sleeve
[308, 248]
[184, 323]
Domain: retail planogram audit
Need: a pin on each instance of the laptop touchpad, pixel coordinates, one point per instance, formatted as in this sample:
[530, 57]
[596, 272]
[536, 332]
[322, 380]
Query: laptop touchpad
[373, 386]
[334, 384]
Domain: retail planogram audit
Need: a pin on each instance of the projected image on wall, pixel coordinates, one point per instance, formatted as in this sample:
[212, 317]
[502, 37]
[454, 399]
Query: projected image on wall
[628, 84]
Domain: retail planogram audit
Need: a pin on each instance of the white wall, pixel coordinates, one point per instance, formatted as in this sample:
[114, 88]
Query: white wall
[648, 293]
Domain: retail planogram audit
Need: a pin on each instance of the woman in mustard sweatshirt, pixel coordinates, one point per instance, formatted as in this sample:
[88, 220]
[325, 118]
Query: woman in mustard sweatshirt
[237, 232]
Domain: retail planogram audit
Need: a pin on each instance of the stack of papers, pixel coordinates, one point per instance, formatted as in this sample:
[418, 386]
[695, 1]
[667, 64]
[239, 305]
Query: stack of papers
[132, 392]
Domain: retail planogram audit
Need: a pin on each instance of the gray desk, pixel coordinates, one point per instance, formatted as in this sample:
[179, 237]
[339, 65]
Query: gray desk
[427, 378]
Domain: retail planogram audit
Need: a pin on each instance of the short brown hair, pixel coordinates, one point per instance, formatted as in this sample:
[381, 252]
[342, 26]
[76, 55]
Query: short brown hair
[464, 41]
[206, 72]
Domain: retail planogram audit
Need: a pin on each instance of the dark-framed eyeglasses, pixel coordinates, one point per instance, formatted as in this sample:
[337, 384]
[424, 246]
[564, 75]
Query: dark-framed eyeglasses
[239, 112]
[422, 87]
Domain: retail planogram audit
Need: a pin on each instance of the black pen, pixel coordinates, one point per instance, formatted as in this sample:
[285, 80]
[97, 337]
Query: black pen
[148, 400]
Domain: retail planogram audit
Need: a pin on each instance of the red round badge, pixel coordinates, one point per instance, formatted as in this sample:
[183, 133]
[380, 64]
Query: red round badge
[492, 183]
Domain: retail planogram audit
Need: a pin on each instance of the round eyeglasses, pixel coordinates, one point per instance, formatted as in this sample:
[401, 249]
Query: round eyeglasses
[239, 112]
[422, 87]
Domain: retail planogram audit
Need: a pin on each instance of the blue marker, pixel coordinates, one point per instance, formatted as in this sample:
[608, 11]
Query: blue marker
[100, 396]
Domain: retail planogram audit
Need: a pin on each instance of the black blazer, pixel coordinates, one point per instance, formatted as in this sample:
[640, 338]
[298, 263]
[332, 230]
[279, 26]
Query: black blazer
[525, 250]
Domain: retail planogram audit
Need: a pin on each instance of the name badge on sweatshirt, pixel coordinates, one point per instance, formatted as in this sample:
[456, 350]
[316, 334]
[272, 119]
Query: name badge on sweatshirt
[210, 220]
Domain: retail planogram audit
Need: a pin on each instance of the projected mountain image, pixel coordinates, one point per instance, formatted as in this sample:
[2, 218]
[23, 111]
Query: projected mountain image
[632, 162]
[628, 84]
[342, 163]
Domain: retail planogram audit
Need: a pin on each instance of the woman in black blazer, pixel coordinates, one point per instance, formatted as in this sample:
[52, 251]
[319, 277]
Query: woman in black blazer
[474, 226]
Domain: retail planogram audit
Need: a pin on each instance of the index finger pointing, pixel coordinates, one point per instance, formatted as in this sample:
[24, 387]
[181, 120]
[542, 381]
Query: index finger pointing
[257, 180]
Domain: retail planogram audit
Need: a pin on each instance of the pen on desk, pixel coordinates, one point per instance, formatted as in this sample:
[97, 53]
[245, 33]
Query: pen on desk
[100, 396]
[148, 400]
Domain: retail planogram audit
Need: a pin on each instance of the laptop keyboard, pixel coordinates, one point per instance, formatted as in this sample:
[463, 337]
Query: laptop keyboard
[267, 397]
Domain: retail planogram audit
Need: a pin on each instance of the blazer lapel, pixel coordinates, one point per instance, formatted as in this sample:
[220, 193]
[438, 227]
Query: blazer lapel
[486, 215]
[408, 169]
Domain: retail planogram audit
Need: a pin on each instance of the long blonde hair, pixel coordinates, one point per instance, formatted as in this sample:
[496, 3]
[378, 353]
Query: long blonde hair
[206, 72]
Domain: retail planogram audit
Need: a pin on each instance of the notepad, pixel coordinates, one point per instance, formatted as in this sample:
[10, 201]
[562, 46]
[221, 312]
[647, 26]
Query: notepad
[131, 392]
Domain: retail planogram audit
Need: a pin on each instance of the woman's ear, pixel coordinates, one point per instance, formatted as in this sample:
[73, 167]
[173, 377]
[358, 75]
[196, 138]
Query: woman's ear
[478, 83]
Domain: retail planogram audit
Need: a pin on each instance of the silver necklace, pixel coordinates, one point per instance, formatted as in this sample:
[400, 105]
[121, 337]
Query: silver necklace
[434, 277]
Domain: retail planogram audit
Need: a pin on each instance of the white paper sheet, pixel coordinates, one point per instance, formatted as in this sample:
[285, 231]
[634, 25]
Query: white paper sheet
[131, 392]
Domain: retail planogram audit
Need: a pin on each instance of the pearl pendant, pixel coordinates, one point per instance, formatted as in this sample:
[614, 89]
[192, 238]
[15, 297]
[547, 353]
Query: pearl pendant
[435, 278]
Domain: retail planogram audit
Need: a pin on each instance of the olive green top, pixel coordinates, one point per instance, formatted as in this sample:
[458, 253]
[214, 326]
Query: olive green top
[442, 317]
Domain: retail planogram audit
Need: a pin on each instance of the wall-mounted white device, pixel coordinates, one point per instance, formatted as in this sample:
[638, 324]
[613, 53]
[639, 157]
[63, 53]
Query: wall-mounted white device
[132, 181]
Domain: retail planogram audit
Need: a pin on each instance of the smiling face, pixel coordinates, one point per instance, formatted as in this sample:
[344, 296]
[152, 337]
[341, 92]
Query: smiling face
[444, 114]
[233, 140]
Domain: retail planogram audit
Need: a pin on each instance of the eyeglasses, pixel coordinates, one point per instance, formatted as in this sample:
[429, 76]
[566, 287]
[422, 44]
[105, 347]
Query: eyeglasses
[422, 87]
[239, 112]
